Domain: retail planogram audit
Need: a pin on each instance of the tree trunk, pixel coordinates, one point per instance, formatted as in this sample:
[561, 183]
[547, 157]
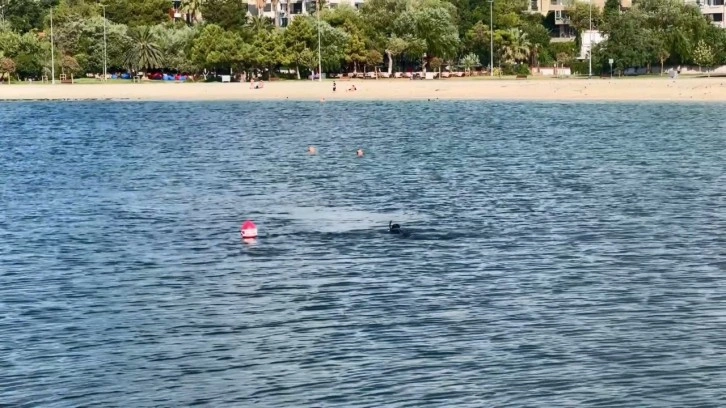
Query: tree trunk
[289, 13]
[661, 67]
[297, 70]
[390, 62]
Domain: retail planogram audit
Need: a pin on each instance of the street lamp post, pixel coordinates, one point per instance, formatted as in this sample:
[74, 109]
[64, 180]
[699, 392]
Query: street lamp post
[52, 50]
[320, 61]
[105, 55]
[590, 52]
[491, 38]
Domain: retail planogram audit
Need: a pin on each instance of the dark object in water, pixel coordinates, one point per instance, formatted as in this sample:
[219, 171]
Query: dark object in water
[394, 228]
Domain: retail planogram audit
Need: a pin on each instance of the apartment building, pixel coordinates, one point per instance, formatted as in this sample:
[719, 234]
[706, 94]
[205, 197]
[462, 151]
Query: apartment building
[559, 9]
[297, 8]
[715, 10]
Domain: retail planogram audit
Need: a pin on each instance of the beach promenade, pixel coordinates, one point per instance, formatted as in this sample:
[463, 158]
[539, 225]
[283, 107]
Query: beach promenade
[596, 89]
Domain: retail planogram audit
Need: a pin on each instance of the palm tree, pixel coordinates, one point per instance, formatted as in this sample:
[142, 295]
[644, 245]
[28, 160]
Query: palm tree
[257, 24]
[516, 46]
[469, 62]
[143, 53]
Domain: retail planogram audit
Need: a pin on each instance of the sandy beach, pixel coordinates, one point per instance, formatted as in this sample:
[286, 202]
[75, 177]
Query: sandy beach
[596, 89]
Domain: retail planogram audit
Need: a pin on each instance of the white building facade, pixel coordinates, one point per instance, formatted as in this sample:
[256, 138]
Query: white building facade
[297, 8]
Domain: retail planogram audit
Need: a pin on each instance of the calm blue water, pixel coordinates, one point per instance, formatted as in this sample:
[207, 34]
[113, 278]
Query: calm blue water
[561, 255]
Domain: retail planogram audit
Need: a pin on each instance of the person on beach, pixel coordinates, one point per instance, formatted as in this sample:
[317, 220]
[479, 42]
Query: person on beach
[334, 86]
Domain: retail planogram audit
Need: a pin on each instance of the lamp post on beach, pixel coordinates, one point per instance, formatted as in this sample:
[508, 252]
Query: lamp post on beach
[589, 75]
[52, 50]
[105, 55]
[491, 38]
[320, 61]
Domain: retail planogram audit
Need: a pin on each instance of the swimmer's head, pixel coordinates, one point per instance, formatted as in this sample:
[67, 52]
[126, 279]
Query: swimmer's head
[359, 153]
[312, 150]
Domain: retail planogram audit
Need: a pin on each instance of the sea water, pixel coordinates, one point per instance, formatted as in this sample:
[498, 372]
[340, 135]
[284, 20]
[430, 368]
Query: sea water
[561, 254]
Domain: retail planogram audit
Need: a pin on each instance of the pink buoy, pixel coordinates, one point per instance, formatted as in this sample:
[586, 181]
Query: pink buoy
[249, 230]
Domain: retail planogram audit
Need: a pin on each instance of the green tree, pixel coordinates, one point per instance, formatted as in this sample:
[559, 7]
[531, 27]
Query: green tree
[436, 63]
[175, 44]
[137, 12]
[373, 59]
[355, 51]
[431, 29]
[579, 14]
[611, 10]
[69, 65]
[478, 39]
[143, 52]
[334, 42]
[7, 67]
[298, 39]
[394, 46]
[539, 39]
[515, 46]
[663, 55]
[9, 43]
[378, 18]
[266, 51]
[344, 15]
[216, 48]
[231, 15]
[26, 15]
[703, 56]
[627, 42]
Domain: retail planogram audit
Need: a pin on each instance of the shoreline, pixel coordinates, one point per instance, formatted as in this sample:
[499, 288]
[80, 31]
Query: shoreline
[682, 90]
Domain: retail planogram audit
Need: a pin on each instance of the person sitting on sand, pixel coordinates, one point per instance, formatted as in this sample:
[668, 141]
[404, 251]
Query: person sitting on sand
[352, 88]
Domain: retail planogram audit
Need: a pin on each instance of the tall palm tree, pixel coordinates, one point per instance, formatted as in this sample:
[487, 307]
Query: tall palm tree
[517, 46]
[144, 52]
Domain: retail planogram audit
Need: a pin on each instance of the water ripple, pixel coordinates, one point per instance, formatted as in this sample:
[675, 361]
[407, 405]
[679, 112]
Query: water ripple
[560, 255]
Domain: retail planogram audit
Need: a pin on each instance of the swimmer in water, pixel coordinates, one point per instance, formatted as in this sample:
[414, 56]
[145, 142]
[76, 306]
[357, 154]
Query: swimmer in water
[394, 228]
[359, 153]
[312, 151]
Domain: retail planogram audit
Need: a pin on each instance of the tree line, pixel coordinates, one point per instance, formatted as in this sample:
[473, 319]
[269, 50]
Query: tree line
[219, 35]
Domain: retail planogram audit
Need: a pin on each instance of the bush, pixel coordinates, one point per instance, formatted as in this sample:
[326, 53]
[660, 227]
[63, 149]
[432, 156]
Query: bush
[518, 69]
[522, 69]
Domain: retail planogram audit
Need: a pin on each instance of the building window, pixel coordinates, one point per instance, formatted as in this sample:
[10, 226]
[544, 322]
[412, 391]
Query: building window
[717, 17]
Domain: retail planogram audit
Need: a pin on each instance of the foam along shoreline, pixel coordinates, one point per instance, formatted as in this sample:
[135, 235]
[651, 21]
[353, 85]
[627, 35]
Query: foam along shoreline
[596, 89]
